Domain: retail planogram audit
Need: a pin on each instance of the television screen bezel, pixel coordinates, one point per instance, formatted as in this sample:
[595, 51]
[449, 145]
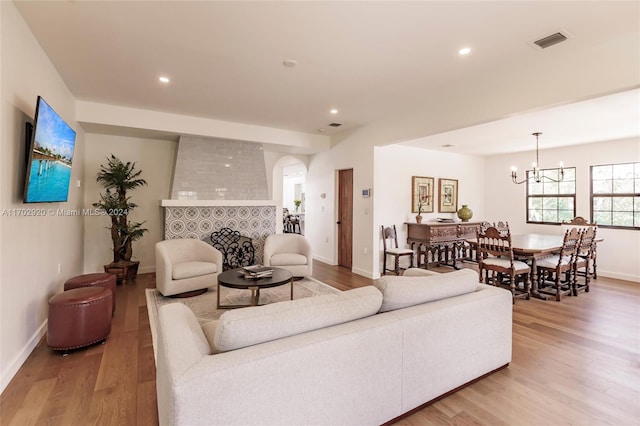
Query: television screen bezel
[30, 145]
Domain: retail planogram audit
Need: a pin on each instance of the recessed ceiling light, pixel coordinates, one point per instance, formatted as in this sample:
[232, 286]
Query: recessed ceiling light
[290, 63]
[163, 79]
[321, 130]
[464, 51]
[333, 111]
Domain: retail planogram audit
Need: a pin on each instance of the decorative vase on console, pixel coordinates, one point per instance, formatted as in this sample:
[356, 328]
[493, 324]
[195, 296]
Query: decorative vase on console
[419, 215]
[465, 213]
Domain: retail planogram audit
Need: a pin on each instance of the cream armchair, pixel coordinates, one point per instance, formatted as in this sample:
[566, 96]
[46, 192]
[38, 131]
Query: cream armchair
[288, 251]
[186, 267]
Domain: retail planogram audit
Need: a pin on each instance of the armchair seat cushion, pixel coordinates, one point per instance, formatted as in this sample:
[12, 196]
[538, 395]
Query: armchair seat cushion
[288, 259]
[185, 270]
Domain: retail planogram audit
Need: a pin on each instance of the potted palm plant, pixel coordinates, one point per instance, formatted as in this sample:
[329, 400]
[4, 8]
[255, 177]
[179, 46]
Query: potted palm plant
[118, 178]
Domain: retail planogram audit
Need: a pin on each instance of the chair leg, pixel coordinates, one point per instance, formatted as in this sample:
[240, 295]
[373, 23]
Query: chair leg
[397, 265]
[384, 265]
[557, 287]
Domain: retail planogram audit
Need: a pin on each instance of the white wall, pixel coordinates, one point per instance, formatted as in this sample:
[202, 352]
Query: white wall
[155, 158]
[320, 213]
[394, 167]
[618, 254]
[33, 248]
[391, 194]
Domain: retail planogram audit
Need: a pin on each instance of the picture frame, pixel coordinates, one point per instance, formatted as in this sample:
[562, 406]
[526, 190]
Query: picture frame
[447, 195]
[422, 189]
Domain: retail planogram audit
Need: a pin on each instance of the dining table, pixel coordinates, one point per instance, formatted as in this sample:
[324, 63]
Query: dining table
[531, 248]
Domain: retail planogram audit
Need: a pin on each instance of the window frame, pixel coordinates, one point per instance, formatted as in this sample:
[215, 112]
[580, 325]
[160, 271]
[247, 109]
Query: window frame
[612, 195]
[529, 174]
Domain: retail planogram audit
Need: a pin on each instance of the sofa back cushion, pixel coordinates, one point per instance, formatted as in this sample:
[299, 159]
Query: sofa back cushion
[401, 292]
[250, 326]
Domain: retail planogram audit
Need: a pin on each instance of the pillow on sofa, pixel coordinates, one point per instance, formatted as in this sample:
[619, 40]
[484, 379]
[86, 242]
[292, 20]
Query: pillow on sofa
[250, 326]
[401, 292]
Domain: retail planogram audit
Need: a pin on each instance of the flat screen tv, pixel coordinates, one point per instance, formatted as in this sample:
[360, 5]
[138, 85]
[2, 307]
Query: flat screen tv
[49, 157]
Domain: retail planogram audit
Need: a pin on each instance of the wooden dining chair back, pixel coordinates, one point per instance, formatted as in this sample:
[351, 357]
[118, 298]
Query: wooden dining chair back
[552, 269]
[584, 258]
[390, 245]
[582, 224]
[495, 254]
[501, 226]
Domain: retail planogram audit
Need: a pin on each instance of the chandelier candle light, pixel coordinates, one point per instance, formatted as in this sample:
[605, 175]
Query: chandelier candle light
[536, 169]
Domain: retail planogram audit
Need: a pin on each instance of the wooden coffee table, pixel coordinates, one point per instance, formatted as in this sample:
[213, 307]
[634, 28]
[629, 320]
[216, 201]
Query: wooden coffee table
[233, 278]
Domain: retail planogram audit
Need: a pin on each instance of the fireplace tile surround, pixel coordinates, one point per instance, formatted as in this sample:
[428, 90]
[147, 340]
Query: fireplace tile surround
[197, 219]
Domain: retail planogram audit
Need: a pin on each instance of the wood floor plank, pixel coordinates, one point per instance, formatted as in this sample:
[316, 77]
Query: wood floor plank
[575, 362]
[35, 401]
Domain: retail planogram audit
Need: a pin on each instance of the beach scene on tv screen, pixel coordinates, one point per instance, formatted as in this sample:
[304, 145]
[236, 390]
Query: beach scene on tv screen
[51, 158]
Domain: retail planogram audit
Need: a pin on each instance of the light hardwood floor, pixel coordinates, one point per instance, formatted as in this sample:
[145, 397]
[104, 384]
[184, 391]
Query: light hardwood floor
[575, 362]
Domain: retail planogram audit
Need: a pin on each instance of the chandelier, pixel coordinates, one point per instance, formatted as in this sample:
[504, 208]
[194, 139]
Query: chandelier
[536, 176]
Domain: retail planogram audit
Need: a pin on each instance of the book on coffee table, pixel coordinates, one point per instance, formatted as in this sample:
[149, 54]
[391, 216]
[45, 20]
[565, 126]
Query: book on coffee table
[257, 271]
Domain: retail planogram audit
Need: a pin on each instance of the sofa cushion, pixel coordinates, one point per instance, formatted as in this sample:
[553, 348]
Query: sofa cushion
[284, 259]
[250, 326]
[209, 330]
[401, 292]
[184, 270]
[418, 272]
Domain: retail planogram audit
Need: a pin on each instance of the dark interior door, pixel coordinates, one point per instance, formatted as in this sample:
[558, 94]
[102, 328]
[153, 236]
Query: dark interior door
[345, 217]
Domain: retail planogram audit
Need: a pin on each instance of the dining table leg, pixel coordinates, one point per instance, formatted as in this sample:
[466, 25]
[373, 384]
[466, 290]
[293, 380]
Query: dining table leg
[534, 281]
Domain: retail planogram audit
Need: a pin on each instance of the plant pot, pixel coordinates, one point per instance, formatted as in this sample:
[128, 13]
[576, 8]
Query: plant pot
[418, 219]
[125, 271]
[465, 213]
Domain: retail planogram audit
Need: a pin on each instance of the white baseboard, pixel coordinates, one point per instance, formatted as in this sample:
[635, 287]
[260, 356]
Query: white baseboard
[325, 260]
[364, 273]
[13, 367]
[619, 276]
[147, 270]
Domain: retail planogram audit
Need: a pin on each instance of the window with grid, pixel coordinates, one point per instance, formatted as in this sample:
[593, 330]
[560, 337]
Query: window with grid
[548, 201]
[615, 195]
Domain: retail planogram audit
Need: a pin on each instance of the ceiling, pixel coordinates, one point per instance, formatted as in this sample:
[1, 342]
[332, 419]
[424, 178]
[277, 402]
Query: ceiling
[369, 60]
[604, 118]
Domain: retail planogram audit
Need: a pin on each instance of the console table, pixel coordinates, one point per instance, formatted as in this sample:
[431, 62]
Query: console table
[441, 243]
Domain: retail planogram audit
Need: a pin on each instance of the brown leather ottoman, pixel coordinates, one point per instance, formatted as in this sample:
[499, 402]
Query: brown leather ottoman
[79, 317]
[97, 279]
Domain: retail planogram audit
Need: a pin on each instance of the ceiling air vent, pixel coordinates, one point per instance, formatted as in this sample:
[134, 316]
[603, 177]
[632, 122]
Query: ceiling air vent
[335, 124]
[550, 40]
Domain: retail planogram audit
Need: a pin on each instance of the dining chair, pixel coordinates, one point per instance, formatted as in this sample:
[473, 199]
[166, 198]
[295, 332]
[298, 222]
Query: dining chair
[584, 256]
[390, 245]
[582, 224]
[551, 269]
[495, 254]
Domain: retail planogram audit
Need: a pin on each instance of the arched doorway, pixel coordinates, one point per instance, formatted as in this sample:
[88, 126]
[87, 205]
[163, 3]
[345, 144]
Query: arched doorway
[289, 185]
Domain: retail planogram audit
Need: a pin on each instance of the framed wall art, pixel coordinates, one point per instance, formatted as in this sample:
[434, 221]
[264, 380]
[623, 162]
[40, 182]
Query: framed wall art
[448, 195]
[422, 194]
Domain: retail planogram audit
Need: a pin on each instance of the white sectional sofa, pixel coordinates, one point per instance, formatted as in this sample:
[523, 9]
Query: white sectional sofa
[361, 357]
